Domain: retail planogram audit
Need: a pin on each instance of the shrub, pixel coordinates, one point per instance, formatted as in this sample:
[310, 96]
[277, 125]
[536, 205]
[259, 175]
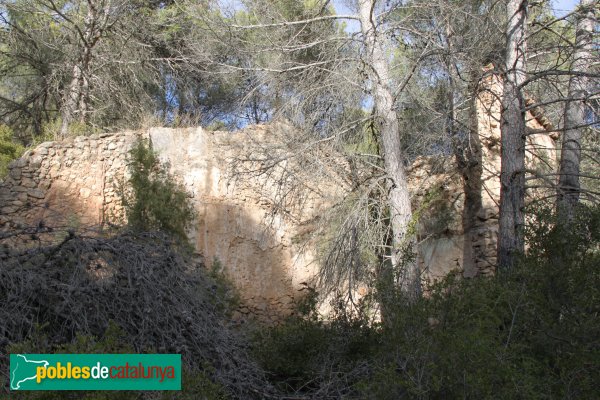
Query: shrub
[9, 149]
[159, 300]
[153, 199]
[307, 355]
[51, 130]
[532, 333]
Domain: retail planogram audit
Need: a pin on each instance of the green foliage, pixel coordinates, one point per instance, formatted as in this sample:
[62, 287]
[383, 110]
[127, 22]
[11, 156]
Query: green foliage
[217, 126]
[302, 352]
[51, 130]
[153, 199]
[9, 149]
[227, 298]
[531, 333]
[198, 385]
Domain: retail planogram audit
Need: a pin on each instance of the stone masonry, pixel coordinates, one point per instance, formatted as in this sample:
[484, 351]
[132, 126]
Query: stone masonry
[74, 183]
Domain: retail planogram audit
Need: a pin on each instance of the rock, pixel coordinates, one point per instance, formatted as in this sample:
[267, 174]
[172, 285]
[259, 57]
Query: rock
[44, 184]
[54, 172]
[35, 162]
[18, 163]
[15, 173]
[28, 183]
[36, 193]
[8, 210]
[84, 193]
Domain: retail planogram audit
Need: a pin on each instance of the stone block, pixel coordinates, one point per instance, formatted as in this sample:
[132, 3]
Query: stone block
[35, 162]
[28, 183]
[84, 193]
[8, 210]
[36, 193]
[15, 173]
[18, 163]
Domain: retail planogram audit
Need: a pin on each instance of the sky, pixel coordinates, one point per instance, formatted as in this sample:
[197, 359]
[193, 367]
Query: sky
[562, 7]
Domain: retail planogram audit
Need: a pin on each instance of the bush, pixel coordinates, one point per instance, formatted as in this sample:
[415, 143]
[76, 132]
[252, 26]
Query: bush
[309, 356]
[153, 200]
[159, 301]
[532, 333]
[51, 130]
[9, 149]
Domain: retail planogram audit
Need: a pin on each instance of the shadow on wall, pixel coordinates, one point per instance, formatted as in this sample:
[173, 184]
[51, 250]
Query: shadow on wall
[71, 185]
[235, 222]
[46, 219]
[258, 264]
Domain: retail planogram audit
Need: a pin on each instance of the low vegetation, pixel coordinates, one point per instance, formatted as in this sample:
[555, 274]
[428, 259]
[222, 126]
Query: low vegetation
[152, 198]
[528, 333]
[133, 292]
[9, 149]
[531, 333]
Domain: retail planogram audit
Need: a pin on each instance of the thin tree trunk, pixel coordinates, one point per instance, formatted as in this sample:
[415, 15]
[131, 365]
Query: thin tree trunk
[71, 102]
[568, 184]
[512, 174]
[387, 122]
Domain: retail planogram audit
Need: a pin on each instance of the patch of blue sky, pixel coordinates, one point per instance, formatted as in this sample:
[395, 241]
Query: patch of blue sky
[563, 7]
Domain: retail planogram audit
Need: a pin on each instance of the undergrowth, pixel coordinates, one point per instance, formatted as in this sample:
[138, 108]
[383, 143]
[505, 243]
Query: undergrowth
[533, 333]
[152, 198]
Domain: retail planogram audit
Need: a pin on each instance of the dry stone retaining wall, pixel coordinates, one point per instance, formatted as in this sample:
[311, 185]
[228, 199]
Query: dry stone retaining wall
[65, 183]
[74, 183]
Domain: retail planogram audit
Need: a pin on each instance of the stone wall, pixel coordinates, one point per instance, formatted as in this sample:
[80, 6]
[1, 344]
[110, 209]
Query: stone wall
[449, 245]
[71, 183]
[74, 184]
[241, 222]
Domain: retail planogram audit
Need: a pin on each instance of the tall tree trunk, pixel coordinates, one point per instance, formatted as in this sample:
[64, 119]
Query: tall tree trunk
[512, 172]
[568, 183]
[387, 122]
[76, 98]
